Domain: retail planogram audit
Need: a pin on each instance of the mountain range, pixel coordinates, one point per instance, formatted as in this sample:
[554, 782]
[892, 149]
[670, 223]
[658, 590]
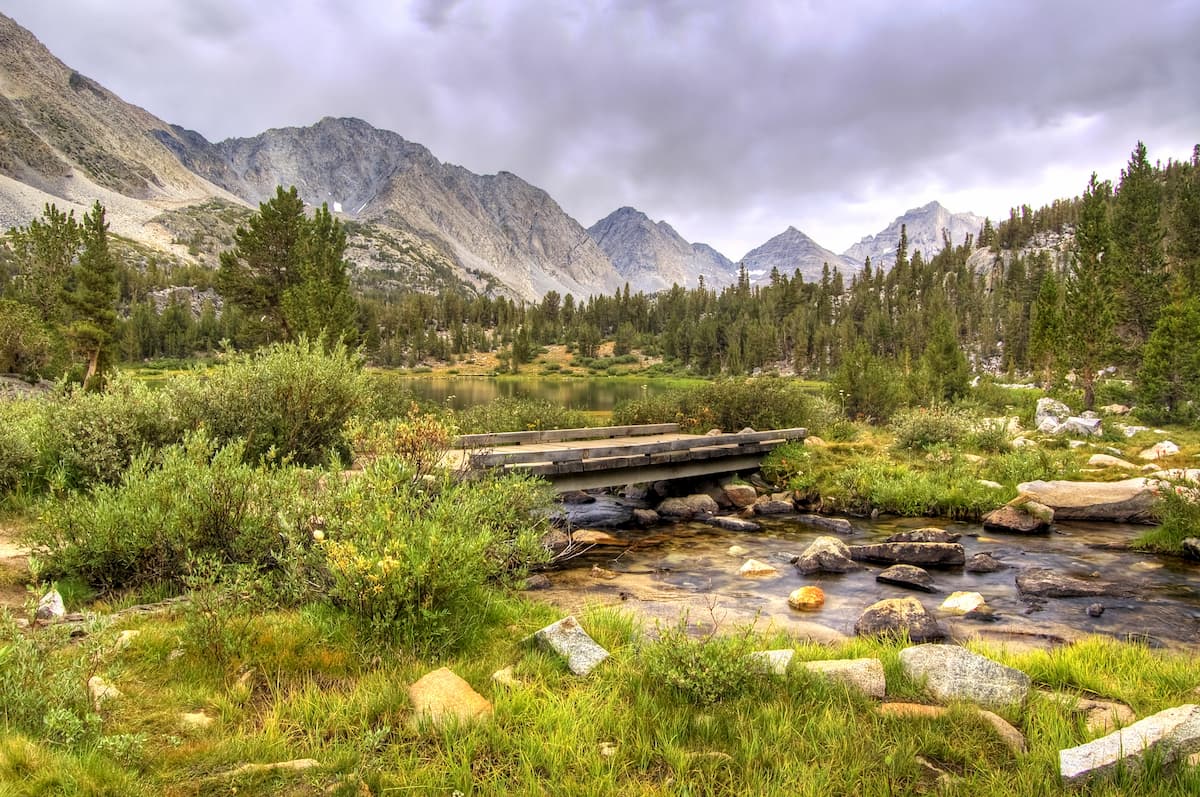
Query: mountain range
[414, 220]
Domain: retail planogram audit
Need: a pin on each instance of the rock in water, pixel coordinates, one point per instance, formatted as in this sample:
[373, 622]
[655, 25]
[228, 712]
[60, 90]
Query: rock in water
[896, 616]
[741, 495]
[1191, 547]
[1127, 501]
[835, 524]
[603, 511]
[697, 505]
[753, 568]
[911, 553]
[954, 673]
[925, 535]
[909, 576]
[441, 696]
[826, 555]
[1042, 582]
[1170, 735]
[807, 599]
[568, 639]
[1022, 515]
[733, 523]
[984, 563]
[965, 603]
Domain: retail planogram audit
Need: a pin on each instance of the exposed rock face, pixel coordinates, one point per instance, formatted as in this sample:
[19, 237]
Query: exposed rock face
[792, 251]
[923, 227]
[951, 672]
[908, 576]
[826, 555]
[865, 675]
[1045, 583]
[653, 256]
[913, 553]
[896, 616]
[1172, 735]
[1128, 501]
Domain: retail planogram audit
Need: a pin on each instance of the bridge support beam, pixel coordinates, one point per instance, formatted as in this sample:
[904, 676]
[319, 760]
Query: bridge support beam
[565, 482]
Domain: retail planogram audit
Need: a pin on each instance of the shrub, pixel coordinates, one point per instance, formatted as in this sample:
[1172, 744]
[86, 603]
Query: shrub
[26, 346]
[703, 672]
[18, 454]
[200, 501]
[729, 404]
[411, 559]
[928, 427]
[867, 387]
[289, 399]
[1178, 512]
[508, 414]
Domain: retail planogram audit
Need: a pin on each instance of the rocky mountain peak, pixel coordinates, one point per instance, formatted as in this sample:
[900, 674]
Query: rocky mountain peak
[652, 256]
[924, 227]
[791, 251]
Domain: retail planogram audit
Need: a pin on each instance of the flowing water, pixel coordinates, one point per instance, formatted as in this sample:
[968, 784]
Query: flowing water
[688, 567]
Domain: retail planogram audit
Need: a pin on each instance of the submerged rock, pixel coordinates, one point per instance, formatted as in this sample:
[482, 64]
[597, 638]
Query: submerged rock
[753, 568]
[909, 576]
[897, 616]
[1043, 582]
[733, 523]
[928, 534]
[835, 524]
[947, 554]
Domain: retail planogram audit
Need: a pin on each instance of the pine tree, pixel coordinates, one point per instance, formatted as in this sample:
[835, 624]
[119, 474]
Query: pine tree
[1168, 383]
[1087, 313]
[320, 303]
[942, 371]
[43, 256]
[1136, 264]
[94, 301]
[1045, 328]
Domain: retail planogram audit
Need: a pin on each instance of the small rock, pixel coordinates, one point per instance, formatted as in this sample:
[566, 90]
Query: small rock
[1115, 409]
[991, 485]
[51, 607]
[737, 550]
[826, 555]
[1023, 442]
[1099, 716]
[1160, 450]
[1010, 735]
[568, 639]
[835, 524]
[1081, 426]
[912, 710]
[714, 433]
[928, 534]
[753, 568]
[1109, 461]
[576, 497]
[741, 495]
[807, 599]
[1172, 735]
[775, 661]
[965, 603]
[537, 581]
[101, 691]
[733, 523]
[442, 696]
[768, 505]
[1095, 609]
[600, 572]
[594, 537]
[943, 780]
[1021, 515]
[865, 675]
[608, 749]
[951, 672]
[690, 506]
[506, 676]
[636, 492]
[125, 638]
[645, 517]
[296, 765]
[909, 576]
[1049, 413]
[813, 440]
[1190, 547]
[984, 563]
[196, 719]
[896, 616]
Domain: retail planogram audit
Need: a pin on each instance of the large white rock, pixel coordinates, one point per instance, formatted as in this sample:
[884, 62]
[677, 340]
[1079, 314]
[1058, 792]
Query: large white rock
[51, 606]
[1172, 734]
[1160, 450]
[775, 661]
[865, 675]
[1049, 414]
[954, 673]
[1127, 501]
[568, 639]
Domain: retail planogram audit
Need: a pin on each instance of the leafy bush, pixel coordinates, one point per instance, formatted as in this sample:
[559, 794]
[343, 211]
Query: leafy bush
[703, 672]
[289, 399]
[18, 454]
[867, 387]
[508, 414]
[924, 428]
[729, 404]
[42, 694]
[200, 501]
[411, 559]
[990, 435]
[26, 345]
[420, 439]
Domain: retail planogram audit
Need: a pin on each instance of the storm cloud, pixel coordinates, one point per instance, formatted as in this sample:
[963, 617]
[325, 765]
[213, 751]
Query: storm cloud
[729, 120]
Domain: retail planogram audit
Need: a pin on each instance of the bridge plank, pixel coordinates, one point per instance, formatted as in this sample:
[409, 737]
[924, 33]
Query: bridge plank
[492, 439]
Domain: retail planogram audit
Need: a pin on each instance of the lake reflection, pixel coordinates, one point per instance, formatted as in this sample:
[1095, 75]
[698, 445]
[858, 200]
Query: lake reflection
[590, 395]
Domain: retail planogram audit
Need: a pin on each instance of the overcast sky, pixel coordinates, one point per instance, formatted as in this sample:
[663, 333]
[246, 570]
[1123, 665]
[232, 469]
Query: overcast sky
[730, 120]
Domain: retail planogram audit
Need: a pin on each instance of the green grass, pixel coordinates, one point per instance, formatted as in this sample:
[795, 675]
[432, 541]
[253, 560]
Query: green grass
[320, 691]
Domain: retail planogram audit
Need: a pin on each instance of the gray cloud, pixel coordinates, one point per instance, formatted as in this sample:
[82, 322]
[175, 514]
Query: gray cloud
[731, 121]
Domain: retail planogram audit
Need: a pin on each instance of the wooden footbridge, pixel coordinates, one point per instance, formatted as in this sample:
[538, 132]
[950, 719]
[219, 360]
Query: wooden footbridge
[607, 456]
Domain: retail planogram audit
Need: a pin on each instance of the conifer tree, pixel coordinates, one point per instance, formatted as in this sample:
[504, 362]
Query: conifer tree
[320, 302]
[94, 301]
[1136, 265]
[1168, 383]
[1087, 313]
[1045, 328]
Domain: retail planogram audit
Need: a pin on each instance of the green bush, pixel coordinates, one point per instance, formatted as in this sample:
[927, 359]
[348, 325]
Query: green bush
[42, 694]
[867, 387]
[289, 399]
[1029, 464]
[18, 454]
[989, 398]
[706, 671]
[200, 501]
[1178, 512]
[924, 428]
[411, 559]
[728, 404]
[506, 414]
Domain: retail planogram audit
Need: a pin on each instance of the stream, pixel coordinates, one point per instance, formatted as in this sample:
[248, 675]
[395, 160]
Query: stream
[687, 567]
